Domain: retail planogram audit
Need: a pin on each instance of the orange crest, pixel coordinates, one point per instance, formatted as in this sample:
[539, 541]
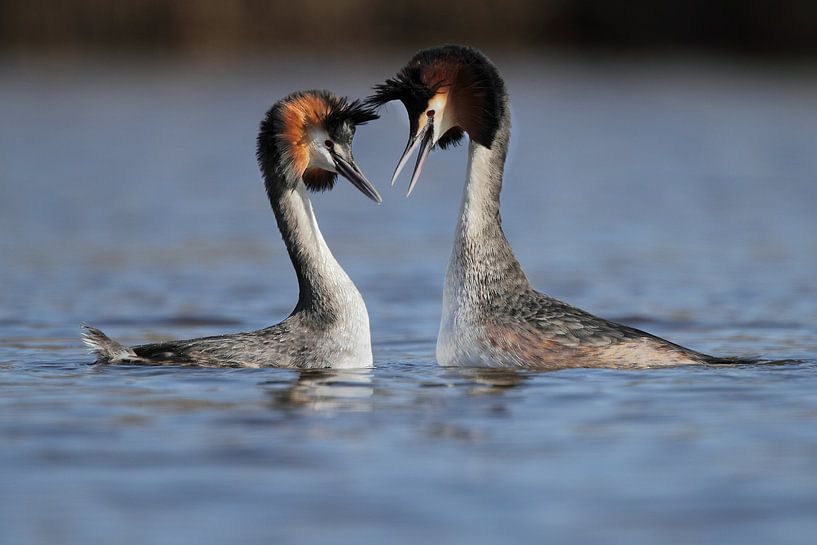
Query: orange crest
[298, 116]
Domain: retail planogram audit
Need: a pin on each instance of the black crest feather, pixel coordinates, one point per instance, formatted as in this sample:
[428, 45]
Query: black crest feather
[406, 87]
[341, 111]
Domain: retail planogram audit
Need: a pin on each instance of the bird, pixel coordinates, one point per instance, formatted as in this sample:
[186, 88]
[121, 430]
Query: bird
[491, 315]
[304, 142]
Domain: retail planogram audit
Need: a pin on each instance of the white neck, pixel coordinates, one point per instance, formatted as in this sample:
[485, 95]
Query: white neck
[482, 263]
[320, 276]
[328, 297]
[309, 242]
[483, 274]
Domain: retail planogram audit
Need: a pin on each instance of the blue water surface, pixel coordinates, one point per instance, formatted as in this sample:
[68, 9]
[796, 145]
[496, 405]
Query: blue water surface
[678, 197]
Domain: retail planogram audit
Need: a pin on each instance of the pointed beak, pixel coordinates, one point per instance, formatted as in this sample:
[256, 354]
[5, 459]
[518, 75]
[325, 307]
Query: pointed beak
[424, 140]
[349, 170]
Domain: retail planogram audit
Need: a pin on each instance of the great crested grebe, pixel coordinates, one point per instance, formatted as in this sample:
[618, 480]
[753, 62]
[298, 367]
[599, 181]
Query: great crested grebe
[491, 315]
[305, 140]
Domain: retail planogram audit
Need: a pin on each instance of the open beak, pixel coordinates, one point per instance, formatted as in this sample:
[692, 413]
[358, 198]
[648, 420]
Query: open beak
[349, 170]
[424, 139]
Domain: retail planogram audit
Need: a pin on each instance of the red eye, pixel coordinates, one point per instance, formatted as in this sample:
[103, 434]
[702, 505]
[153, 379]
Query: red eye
[430, 113]
[329, 144]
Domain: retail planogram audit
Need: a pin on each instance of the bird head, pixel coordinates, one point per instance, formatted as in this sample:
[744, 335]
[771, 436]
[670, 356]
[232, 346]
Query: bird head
[308, 136]
[448, 91]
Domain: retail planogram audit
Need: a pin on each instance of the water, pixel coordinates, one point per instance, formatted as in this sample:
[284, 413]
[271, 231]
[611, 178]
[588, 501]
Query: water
[676, 197]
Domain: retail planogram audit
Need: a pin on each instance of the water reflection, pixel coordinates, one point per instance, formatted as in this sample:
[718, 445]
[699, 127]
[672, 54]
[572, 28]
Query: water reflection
[324, 390]
[491, 381]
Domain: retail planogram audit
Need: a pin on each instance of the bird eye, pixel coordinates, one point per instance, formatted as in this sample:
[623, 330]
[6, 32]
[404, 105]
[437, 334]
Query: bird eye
[329, 144]
[430, 113]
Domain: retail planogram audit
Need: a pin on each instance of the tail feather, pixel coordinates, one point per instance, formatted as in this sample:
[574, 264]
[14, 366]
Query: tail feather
[106, 349]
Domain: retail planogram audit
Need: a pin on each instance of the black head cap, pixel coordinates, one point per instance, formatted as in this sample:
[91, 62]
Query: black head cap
[472, 83]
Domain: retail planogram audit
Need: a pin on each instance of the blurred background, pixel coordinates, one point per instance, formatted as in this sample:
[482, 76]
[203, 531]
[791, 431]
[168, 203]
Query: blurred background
[750, 27]
[662, 172]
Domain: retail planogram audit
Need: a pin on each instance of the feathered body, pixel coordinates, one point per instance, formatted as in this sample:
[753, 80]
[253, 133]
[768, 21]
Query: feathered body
[302, 137]
[492, 316]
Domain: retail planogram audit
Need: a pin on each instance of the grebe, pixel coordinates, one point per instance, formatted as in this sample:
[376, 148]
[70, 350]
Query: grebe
[491, 315]
[305, 140]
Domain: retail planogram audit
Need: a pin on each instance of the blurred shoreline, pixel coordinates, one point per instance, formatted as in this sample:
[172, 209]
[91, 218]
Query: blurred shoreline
[235, 28]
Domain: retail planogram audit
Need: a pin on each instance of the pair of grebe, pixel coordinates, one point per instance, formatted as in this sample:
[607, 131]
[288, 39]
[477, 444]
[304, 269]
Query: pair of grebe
[492, 316]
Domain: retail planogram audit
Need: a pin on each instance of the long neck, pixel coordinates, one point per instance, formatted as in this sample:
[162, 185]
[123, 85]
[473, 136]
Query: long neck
[322, 282]
[482, 263]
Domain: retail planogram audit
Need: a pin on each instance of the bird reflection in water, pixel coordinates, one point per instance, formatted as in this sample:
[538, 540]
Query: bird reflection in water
[324, 390]
[494, 381]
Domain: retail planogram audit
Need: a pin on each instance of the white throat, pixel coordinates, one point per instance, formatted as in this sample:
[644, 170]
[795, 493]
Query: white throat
[350, 332]
[308, 233]
[482, 269]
